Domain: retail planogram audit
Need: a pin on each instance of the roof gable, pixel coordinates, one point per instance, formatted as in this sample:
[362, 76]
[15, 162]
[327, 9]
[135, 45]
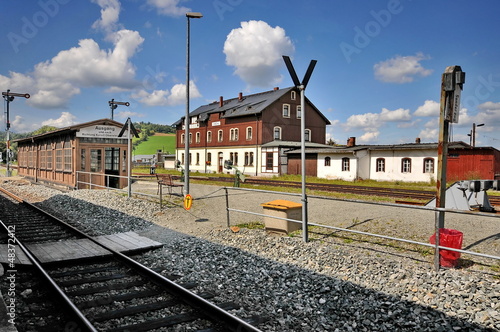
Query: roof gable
[246, 105]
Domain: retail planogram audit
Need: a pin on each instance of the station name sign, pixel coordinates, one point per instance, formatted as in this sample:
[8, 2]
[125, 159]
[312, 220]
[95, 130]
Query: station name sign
[100, 131]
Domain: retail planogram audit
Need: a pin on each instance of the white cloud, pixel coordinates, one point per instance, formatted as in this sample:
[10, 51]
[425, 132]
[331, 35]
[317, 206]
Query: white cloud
[401, 69]
[370, 121]
[429, 134]
[176, 95]
[168, 7]
[256, 51]
[110, 13]
[66, 119]
[367, 120]
[489, 106]
[369, 137]
[429, 108]
[54, 82]
[128, 114]
[395, 116]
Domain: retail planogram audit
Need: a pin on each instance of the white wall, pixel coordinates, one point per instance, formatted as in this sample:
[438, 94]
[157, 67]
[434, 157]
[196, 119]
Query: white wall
[334, 171]
[393, 160]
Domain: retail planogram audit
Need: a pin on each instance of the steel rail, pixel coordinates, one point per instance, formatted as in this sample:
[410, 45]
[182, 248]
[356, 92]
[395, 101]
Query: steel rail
[67, 303]
[211, 310]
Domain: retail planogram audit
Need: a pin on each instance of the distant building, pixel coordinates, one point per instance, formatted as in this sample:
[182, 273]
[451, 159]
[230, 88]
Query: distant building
[252, 131]
[413, 162]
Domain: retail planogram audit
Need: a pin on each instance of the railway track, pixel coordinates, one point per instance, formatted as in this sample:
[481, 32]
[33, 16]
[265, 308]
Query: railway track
[397, 194]
[110, 293]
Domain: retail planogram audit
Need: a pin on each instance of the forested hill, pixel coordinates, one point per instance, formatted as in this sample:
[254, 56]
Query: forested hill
[154, 128]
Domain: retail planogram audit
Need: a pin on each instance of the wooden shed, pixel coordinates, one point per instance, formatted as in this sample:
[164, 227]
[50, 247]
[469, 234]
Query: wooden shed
[87, 155]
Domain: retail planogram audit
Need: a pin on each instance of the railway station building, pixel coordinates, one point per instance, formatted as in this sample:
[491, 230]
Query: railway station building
[252, 131]
[83, 156]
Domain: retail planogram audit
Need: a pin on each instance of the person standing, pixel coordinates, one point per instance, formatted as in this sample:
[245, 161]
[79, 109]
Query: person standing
[152, 170]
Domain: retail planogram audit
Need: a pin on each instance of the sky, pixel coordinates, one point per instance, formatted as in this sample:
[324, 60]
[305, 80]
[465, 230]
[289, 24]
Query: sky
[377, 77]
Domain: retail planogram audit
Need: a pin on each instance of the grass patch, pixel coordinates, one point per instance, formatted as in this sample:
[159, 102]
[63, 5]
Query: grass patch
[252, 225]
[164, 142]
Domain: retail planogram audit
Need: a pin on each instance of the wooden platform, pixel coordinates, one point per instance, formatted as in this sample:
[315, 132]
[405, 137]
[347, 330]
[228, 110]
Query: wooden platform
[83, 248]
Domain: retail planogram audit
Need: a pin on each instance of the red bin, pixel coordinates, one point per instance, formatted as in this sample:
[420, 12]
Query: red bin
[448, 238]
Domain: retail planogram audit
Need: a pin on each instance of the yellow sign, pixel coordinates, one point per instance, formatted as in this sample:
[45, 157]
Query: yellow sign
[188, 202]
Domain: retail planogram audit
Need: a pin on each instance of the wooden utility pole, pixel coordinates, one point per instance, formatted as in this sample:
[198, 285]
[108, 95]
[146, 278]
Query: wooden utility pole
[451, 87]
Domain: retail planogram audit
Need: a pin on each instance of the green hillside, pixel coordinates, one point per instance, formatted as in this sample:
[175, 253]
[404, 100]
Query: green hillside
[164, 142]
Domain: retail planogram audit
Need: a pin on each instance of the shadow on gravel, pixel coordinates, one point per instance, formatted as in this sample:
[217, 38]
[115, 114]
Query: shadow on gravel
[290, 298]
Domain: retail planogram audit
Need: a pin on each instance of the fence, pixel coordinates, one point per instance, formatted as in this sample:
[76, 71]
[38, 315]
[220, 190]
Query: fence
[415, 213]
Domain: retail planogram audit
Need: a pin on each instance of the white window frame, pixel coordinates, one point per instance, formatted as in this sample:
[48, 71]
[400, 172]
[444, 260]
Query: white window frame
[307, 135]
[286, 110]
[277, 129]
[249, 133]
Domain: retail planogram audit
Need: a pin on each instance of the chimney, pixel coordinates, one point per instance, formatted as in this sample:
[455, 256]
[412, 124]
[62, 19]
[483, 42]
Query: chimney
[240, 96]
[276, 88]
[351, 141]
[417, 140]
[221, 101]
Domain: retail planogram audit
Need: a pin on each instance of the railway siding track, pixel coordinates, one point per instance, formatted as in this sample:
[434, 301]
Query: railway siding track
[110, 293]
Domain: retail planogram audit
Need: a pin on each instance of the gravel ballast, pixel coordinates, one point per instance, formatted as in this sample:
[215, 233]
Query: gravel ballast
[331, 283]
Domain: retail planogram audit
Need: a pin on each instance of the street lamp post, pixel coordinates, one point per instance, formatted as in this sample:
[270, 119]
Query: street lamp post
[186, 119]
[474, 133]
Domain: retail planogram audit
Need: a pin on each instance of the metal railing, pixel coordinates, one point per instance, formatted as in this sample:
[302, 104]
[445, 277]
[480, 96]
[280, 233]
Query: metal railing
[436, 246]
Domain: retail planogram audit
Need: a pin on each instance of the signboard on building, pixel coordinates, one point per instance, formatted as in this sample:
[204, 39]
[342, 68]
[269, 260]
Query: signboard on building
[100, 131]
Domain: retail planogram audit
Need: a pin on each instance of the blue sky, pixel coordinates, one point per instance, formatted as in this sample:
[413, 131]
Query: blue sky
[377, 77]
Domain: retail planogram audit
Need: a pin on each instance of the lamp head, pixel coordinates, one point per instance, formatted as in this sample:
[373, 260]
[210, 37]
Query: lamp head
[194, 15]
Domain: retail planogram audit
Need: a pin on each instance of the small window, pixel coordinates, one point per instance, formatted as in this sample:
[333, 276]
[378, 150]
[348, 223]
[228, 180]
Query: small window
[183, 136]
[250, 162]
[233, 134]
[269, 161]
[299, 111]
[209, 158]
[209, 137]
[307, 135]
[293, 95]
[197, 158]
[328, 161]
[406, 165]
[277, 133]
[219, 136]
[429, 165]
[249, 133]
[345, 164]
[83, 161]
[286, 110]
[198, 137]
[190, 138]
[380, 165]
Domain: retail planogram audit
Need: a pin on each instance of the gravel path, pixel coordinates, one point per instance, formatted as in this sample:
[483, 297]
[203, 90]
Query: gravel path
[332, 283]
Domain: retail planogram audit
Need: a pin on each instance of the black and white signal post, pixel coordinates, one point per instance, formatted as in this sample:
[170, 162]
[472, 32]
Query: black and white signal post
[9, 96]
